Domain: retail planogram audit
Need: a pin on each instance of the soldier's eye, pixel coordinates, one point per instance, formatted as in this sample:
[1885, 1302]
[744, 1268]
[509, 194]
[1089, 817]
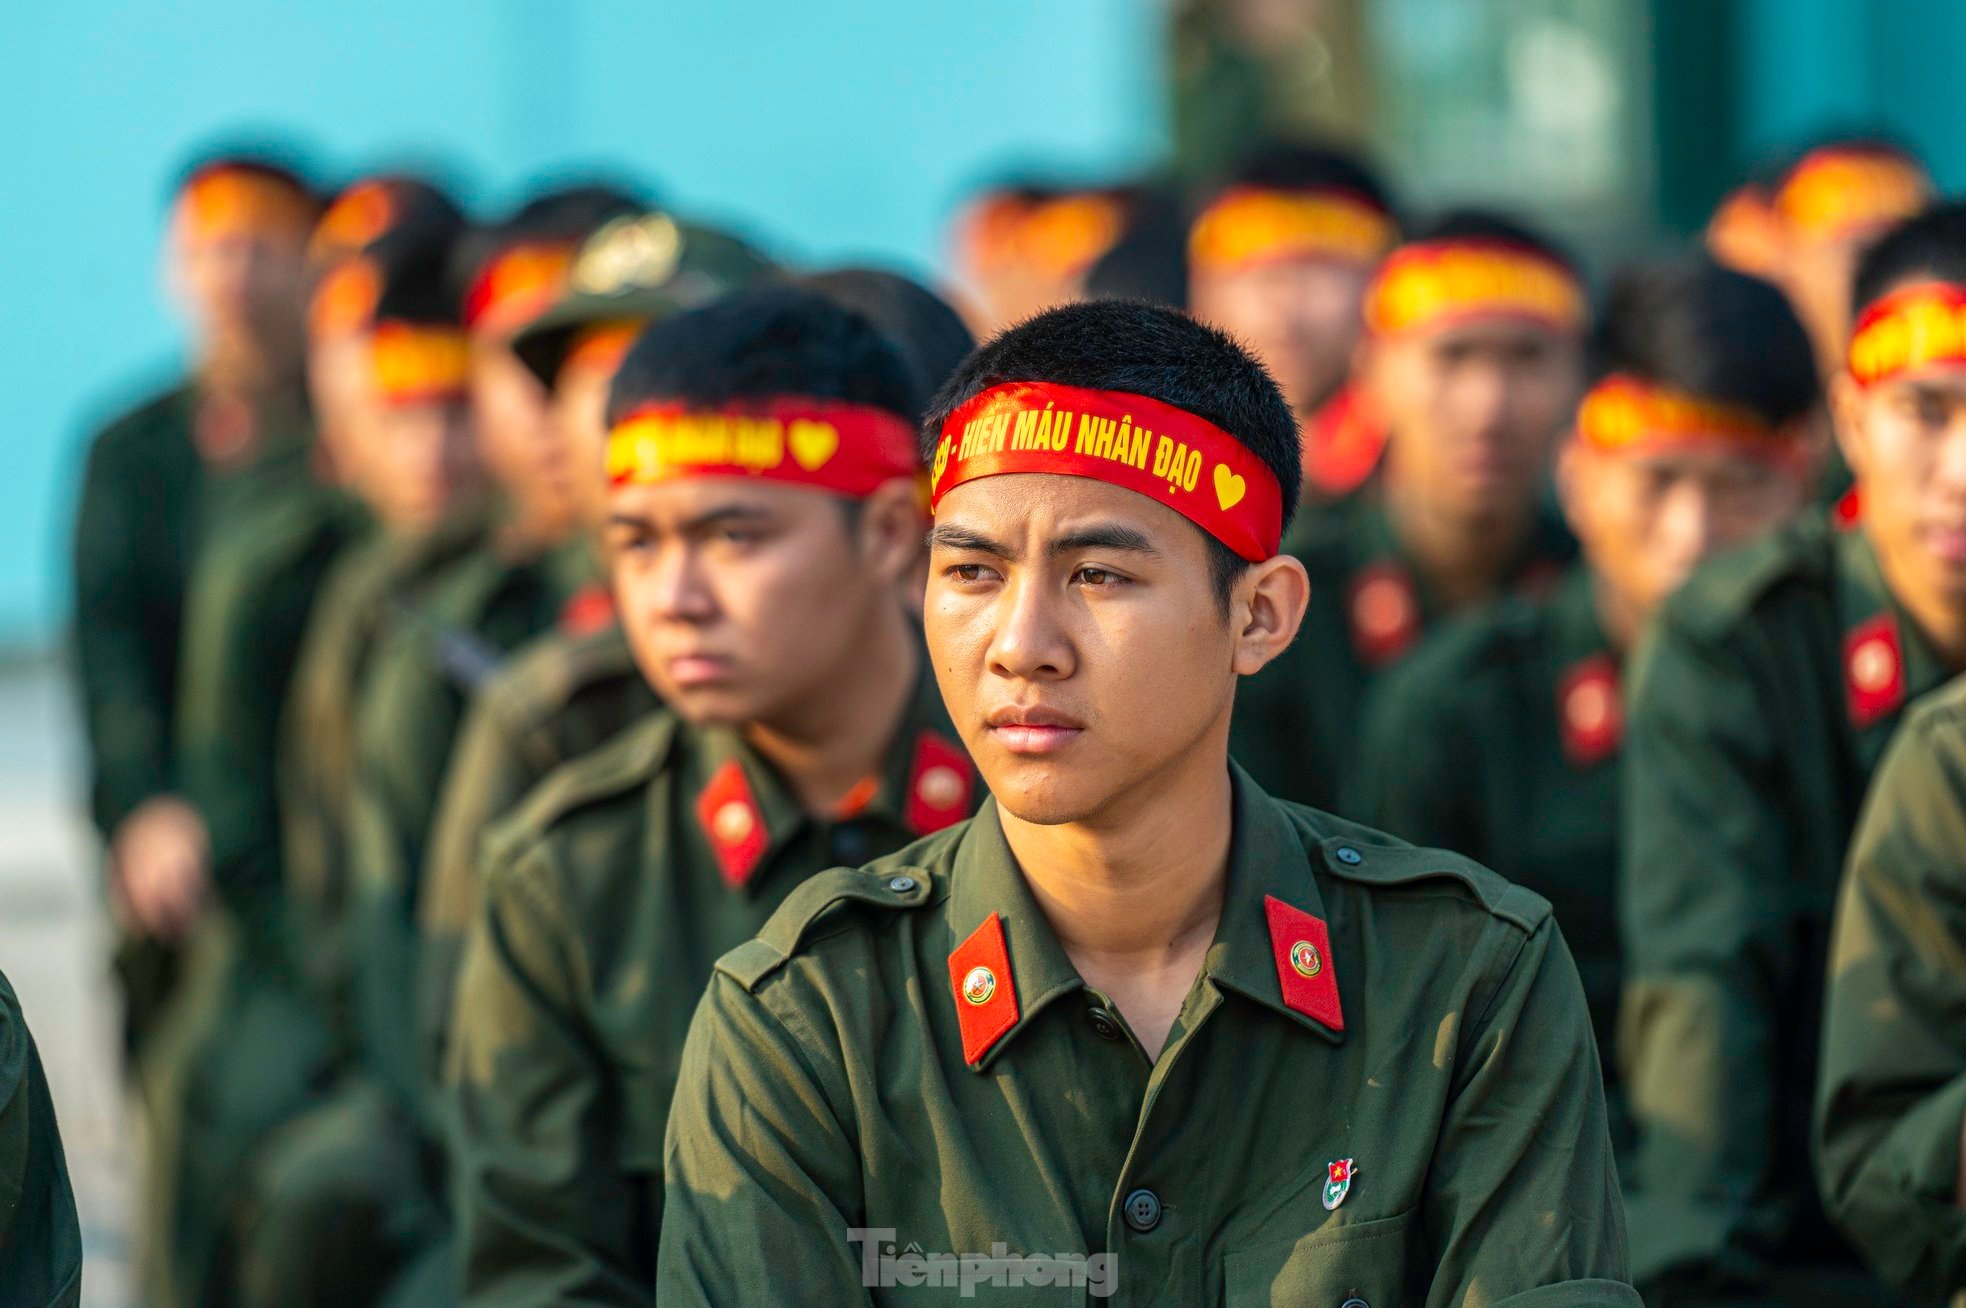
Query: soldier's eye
[965, 572]
[1099, 577]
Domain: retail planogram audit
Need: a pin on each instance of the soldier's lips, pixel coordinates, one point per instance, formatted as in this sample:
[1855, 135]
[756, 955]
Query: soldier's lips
[1947, 543]
[1033, 730]
[686, 670]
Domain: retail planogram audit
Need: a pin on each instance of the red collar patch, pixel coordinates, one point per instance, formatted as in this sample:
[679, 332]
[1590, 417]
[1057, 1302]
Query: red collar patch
[587, 610]
[986, 999]
[1874, 670]
[1589, 712]
[1848, 510]
[940, 783]
[1304, 968]
[730, 817]
[1384, 610]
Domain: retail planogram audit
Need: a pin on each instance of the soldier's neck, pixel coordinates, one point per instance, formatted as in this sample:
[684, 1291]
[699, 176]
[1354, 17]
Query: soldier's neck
[832, 741]
[1461, 560]
[1939, 618]
[1134, 895]
[239, 367]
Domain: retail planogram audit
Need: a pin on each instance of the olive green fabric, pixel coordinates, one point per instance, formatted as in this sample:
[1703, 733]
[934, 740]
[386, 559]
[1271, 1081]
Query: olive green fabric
[40, 1239]
[824, 1090]
[1297, 722]
[440, 653]
[1891, 1104]
[1465, 749]
[605, 908]
[561, 696]
[1744, 768]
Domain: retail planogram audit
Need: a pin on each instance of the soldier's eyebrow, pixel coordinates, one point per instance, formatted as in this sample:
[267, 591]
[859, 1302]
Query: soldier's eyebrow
[1103, 536]
[949, 537]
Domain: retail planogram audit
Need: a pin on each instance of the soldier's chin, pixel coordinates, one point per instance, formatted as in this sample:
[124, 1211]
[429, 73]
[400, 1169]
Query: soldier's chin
[1043, 797]
[716, 705]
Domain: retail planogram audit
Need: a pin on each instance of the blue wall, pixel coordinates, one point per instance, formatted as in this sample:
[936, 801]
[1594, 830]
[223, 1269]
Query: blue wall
[833, 129]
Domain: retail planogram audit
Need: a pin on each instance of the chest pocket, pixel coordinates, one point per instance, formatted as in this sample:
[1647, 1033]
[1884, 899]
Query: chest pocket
[1361, 1265]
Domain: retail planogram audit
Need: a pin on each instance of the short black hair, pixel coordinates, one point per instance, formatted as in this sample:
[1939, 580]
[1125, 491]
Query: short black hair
[772, 340]
[929, 333]
[417, 263]
[1488, 225]
[1143, 349]
[1306, 166]
[1930, 246]
[1722, 335]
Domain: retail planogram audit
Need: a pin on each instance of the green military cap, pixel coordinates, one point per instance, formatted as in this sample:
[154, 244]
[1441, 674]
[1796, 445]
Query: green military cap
[641, 267]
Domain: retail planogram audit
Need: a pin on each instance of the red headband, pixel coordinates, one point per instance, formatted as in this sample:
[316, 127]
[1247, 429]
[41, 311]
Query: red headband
[1167, 454]
[1840, 189]
[227, 201]
[418, 363]
[516, 286]
[1251, 225]
[1432, 284]
[1624, 414]
[1912, 327]
[830, 445]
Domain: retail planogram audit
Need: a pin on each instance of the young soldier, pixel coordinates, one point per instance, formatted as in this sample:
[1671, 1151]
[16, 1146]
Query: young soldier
[1759, 707]
[156, 481]
[1022, 248]
[1473, 357]
[1891, 1098]
[1499, 739]
[40, 1239]
[1279, 258]
[1088, 1024]
[764, 526]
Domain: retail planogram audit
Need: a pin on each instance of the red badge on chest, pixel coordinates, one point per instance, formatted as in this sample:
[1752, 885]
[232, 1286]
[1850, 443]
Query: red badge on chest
[939, 785]
[986, 1001]
[1304, 968]
[1385, 613]
[1589, 712]
[733, 822]
[1874, 670]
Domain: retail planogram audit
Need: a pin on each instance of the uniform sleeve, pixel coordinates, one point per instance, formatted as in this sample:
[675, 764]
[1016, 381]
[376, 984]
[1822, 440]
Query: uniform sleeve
[1707, 949]
[545, 1214]
[40, 1239]
[1892, 1102]
[126, 703]
[763, 1184]
[1523, 1193]
[1411, 777]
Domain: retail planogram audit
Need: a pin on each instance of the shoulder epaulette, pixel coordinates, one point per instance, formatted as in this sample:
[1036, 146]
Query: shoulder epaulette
[1360, 854]
[623, 764]
[884, 884]
[1722, 592]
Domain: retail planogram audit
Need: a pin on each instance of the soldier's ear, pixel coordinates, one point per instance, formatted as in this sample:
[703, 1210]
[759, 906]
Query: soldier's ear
[1266, 608]
[890, 528]
[1847, 421]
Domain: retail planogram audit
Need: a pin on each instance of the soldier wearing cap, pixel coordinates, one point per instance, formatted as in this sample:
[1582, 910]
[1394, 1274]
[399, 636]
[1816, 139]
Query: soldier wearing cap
[40, 1239]
[1500, 738]
[1279, 257]
[1473, 357]
[764, 531]
[1759, 706]
[1137, 1030]
[157, 480]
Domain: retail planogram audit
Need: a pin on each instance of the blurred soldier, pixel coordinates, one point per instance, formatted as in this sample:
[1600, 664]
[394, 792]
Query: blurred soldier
[1891, 1100]
[764, 535]
[1499, 739]
[157, 480]
[1473, 356]
[40, 1239]
[1279, 258]
[1019, 249]
[1744, 234]
[1759, 706]
[260, 1043]
[1136, 1010]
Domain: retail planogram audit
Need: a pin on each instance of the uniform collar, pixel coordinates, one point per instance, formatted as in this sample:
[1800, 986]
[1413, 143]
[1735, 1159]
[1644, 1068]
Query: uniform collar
[1885, 661]
[1272, 907]
[748, 813]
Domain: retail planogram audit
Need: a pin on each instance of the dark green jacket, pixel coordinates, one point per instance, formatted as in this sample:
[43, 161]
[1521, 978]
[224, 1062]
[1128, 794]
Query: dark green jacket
[1759, 706]
[1297, 722]
[1381, 1089]
[40, 1239]
[608, 897]
[1891, 1103]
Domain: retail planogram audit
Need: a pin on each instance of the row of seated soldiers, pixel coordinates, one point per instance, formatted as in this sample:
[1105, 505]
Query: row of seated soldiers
[419, 878]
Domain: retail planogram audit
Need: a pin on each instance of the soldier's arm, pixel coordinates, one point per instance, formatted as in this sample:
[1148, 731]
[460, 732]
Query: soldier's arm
[40, 1240]
[1704, 871]
[1523, 1195]
[546, 1215]
[762, 1177]
[1892, 1091]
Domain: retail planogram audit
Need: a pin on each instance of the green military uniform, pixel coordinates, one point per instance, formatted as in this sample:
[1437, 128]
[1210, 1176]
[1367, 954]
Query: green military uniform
[254, 1045]
[1758, 708]
[608, 897]
[1380, 1090]
[1499, 739]
[40, 1239]
[1297, 722]
[1891, 1105]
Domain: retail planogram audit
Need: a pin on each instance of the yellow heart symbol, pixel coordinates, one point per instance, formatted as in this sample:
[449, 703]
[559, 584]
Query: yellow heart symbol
[813, 442]
[1229, 488]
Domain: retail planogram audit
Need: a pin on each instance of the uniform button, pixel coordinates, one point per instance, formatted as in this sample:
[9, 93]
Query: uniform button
[1346, 854]
[901, 885]
[1355, 1303]
[1103, 1024]
[1143, 1210]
